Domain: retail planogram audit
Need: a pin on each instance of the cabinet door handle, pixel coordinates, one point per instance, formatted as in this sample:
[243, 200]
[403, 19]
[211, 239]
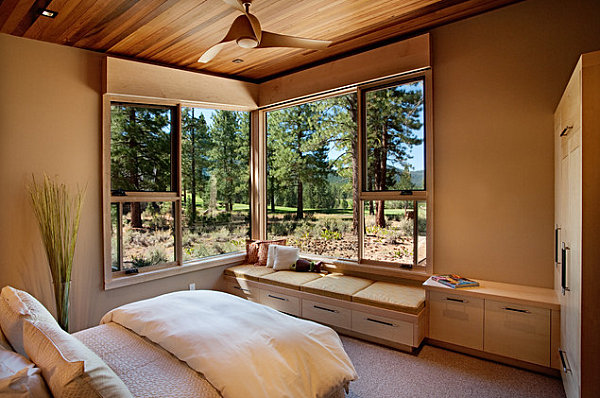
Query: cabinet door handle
[516, 310]
[325, 309]
[563, 276]
[556, 236]
[456, 300]
[564, 361]
[278, 298]
[565, 130]
[381, 322]
[242, 289]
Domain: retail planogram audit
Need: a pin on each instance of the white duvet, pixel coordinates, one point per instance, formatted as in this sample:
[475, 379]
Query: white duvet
[243, 349]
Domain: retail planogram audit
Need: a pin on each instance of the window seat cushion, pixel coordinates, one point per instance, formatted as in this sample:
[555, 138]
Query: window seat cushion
[248, 271]
[404, 298]
[337, 286]
[290, 279]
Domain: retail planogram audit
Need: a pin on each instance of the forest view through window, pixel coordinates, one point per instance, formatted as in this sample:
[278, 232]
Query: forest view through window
[215, 152]
[315, 198]
[312, 184]
[394, 149]
[158, 219]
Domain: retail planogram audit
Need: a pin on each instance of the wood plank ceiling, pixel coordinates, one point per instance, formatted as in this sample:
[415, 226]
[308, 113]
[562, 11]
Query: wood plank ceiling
[177, 32]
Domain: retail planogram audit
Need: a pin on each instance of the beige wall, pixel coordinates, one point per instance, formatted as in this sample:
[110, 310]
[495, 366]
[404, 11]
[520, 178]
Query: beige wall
[50, 114]
[497, 79]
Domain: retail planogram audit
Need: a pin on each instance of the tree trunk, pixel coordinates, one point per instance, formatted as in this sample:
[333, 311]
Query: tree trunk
[353, 109]
[136, 212]
[300, 207]
[355, 193]
[380, 178]
[136, 215]
[272, 194]
[193, 171]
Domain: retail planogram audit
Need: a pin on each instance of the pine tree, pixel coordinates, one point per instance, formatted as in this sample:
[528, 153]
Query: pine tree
[140, 152]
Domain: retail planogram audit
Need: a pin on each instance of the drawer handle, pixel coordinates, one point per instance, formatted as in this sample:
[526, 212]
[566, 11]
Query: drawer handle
[242, 289]
[456, 300]
[564, 132]
[325, 309]
[278, 298]
[381, 322]
[564, 361]
[516, 310]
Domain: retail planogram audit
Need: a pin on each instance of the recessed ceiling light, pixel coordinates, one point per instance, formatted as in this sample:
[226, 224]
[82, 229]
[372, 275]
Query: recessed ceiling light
[237, 61]
[48, 13]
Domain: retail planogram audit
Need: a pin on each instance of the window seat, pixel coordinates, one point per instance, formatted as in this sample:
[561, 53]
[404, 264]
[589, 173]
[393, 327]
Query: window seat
[394, 314]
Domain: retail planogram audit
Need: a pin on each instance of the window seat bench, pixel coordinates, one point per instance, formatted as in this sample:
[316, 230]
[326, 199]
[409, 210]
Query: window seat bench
[393, 314]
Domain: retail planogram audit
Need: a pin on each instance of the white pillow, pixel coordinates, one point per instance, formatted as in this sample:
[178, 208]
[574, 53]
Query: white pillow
[271, 255]
[285, 257]
[19, 378]
[16, 306]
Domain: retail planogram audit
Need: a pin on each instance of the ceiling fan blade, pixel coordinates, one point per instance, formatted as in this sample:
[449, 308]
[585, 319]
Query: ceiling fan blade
[270, 39]
[241, 27]
[237, 4]
[212, 52]
[255, 26]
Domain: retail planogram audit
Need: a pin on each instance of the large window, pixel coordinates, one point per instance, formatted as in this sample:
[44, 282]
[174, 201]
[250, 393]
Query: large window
[349, 190]
[312, 176]
[215, 150]
[394, 169]
[179, 184]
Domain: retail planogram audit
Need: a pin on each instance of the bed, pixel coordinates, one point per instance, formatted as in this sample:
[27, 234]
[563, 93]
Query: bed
[184, 344]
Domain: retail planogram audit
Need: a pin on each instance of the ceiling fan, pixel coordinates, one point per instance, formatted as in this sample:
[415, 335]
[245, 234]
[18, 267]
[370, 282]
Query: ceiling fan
[247, 33]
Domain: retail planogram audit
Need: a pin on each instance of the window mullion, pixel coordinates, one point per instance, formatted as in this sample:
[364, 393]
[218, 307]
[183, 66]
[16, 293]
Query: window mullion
[178, 183]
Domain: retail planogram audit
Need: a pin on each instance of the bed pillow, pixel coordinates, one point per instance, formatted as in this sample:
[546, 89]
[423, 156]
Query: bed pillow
[19, 378]
[15, 307]
[285, 257]
[69, 367]
[263, 249]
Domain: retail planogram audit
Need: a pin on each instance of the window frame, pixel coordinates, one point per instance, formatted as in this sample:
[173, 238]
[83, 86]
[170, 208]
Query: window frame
[363, 265]
[116, 279]
[425, 195]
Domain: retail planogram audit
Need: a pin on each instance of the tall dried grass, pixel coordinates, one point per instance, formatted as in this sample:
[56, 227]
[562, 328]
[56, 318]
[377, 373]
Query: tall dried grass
[58, 211]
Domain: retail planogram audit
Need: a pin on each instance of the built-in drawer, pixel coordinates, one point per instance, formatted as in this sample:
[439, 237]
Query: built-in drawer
[383, 327]
[456, 319]
[517, 331]
[281, 302]
[327, 313]
[242, 289]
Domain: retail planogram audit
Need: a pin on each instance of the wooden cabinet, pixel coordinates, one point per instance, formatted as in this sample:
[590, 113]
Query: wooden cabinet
[456, 319]
[517, 331]
[499, 320]
[577, 219]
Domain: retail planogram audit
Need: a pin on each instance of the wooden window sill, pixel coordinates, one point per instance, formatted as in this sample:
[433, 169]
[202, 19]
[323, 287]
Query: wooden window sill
[190, 266]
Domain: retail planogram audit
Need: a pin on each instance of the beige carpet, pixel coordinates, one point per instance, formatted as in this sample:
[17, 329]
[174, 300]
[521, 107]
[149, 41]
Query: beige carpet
[434, 372]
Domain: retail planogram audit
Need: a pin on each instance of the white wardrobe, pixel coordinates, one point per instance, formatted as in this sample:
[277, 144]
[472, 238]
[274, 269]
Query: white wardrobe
[577, 234]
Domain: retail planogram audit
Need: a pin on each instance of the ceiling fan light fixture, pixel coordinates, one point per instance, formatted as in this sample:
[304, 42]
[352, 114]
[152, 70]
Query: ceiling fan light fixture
[247, 42]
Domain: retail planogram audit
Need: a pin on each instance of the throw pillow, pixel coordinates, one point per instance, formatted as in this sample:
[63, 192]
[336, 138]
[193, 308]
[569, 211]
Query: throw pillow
[263, 249]
[285, 257]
